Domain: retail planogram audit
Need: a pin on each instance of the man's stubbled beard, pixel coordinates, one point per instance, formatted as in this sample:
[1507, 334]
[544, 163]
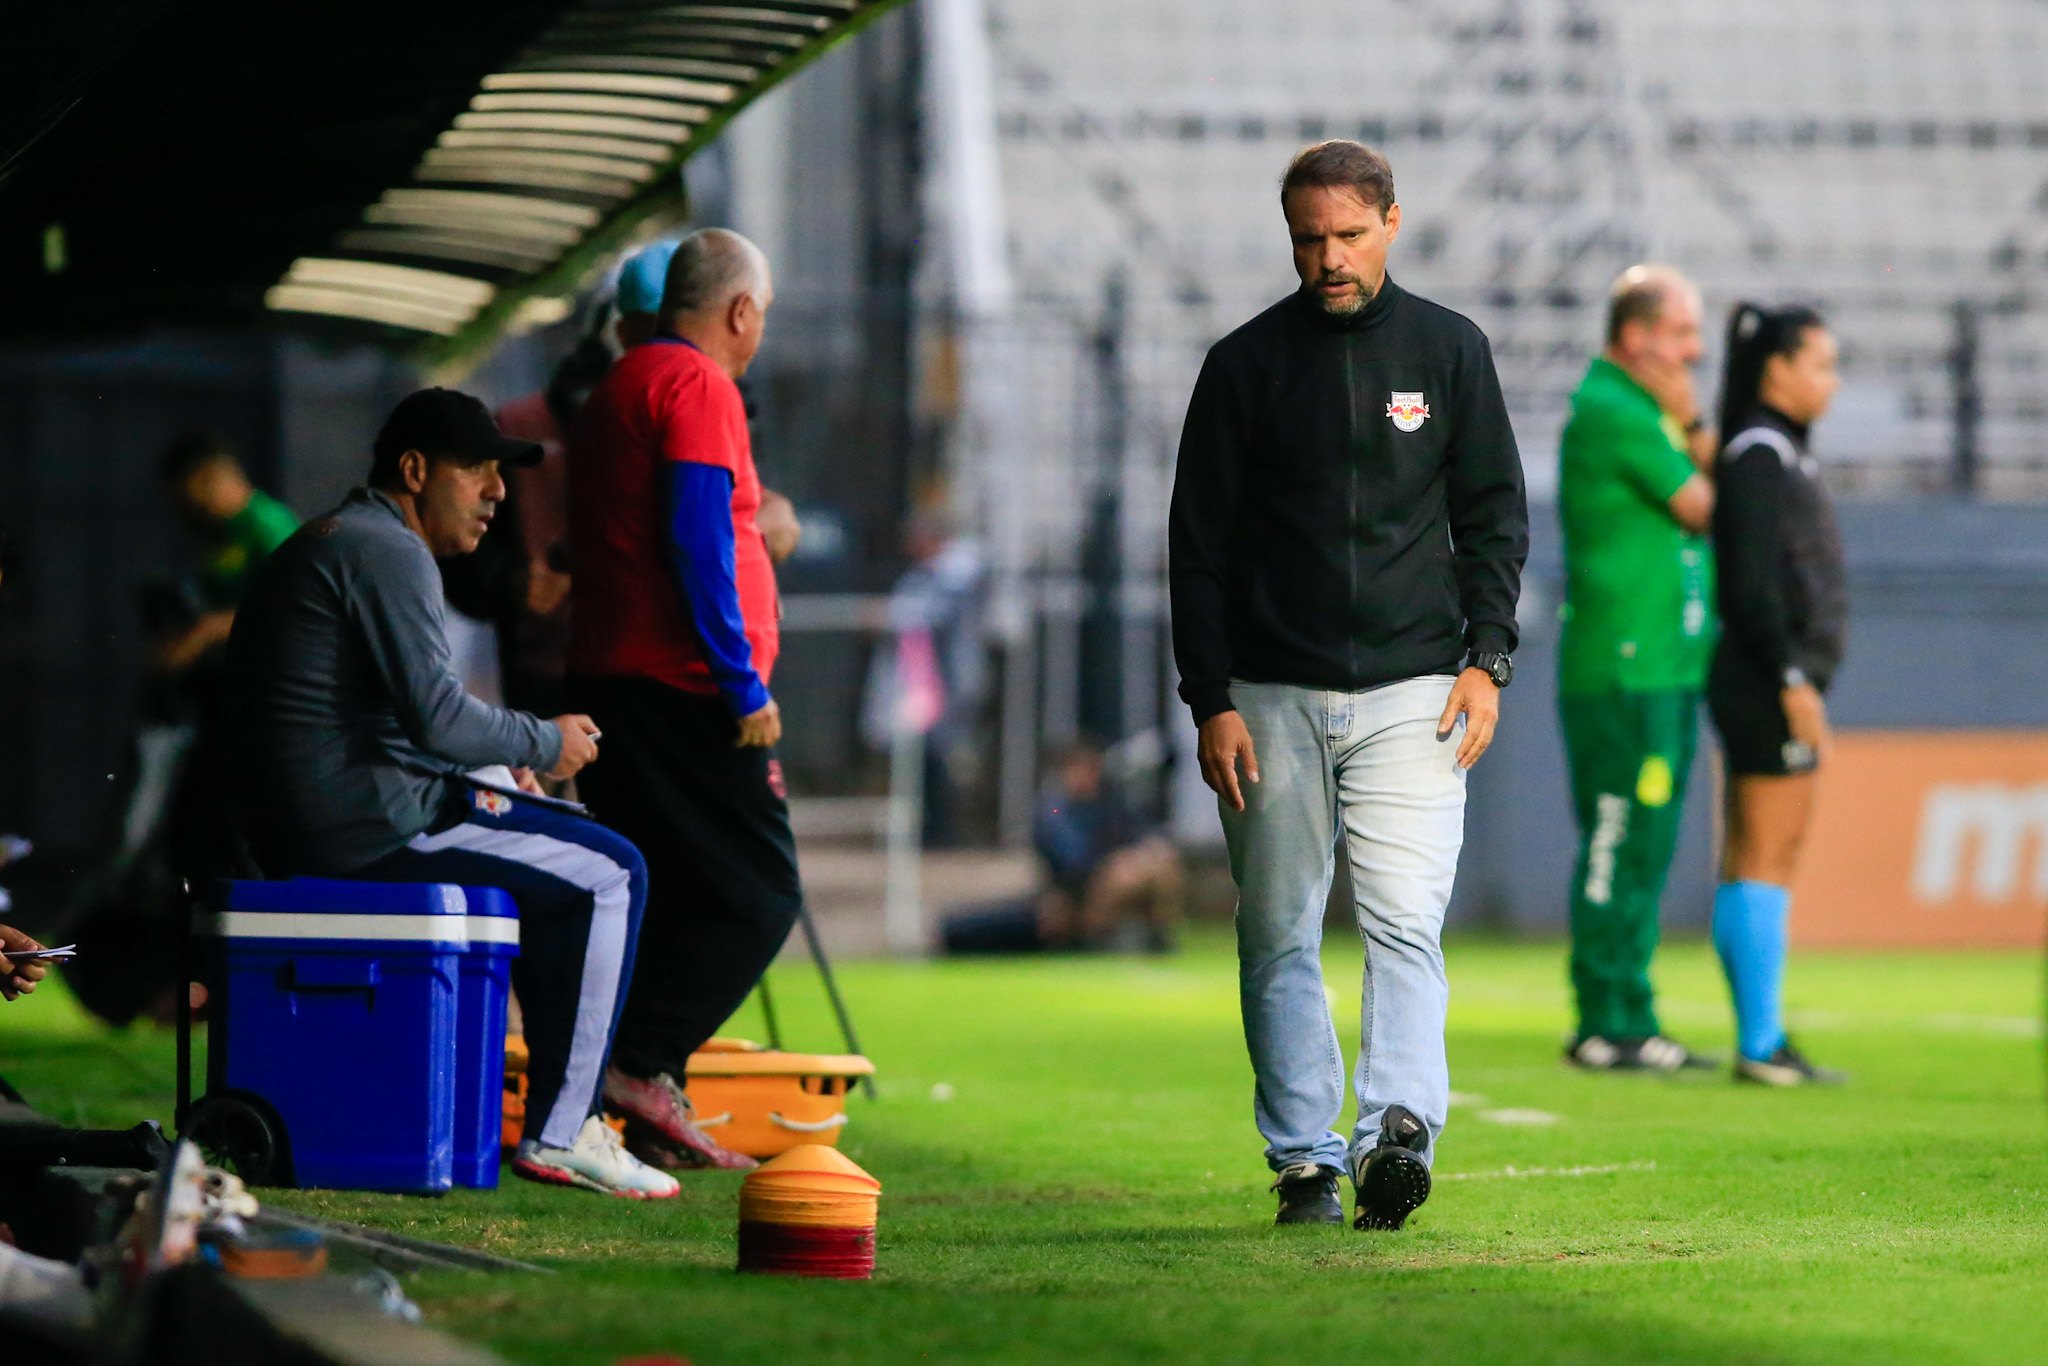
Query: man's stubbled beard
[1346, 308]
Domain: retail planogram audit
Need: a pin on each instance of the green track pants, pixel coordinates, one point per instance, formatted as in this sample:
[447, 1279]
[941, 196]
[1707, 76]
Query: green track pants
[1630, 753]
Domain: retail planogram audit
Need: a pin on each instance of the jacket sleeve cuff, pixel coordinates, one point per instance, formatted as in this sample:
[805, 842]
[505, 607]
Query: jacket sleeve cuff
[548, 746]
[748, 697]
[1207, 699]
[1489, 637]
[1812, 665]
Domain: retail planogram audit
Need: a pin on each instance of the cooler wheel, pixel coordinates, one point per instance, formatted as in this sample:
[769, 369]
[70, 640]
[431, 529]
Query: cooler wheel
[242, 1134]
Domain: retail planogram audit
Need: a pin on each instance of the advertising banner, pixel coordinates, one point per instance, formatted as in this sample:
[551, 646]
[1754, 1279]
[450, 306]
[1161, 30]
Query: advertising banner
[1928, 838]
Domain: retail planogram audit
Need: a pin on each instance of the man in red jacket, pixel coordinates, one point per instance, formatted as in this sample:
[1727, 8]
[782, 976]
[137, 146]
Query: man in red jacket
[674, 641]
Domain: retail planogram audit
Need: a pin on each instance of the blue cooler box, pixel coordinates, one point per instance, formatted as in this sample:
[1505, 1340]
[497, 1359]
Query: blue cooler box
[341, 1005]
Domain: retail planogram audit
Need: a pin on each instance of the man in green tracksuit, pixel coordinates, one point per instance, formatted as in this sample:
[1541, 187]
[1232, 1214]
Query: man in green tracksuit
[1638, 635]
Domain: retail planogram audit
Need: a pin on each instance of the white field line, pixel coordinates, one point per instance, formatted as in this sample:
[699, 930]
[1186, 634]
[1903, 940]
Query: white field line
[1518, 1117]
[1517, 1173]
[2011, 1026]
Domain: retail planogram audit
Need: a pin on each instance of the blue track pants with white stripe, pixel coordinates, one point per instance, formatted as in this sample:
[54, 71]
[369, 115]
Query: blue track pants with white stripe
[580, 889]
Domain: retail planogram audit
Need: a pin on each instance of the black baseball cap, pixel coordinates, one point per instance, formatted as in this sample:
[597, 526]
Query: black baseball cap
[447, 423]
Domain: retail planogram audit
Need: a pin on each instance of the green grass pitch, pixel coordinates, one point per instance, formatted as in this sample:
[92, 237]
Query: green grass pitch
[1092, 1190]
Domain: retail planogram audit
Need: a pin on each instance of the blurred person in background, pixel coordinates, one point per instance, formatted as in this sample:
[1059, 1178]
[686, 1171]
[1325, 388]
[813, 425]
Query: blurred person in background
[931, 668]
[1636, 502]
[1113, 881]
[518, 579]
[675, 639]
[170, 821]
[642, 280]
[237, 526]
[1784, 617]
[361, 757]
[1116, 882]
[1346, 543]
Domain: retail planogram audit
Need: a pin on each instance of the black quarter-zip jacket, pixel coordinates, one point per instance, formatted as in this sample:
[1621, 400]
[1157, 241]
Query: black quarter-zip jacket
[1784, 592]
[1324, 531]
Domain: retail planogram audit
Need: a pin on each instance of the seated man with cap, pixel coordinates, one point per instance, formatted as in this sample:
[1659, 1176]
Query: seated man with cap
[361, 758]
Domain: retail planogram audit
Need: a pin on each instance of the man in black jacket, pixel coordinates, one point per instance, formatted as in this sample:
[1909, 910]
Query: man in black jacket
[1347, 538]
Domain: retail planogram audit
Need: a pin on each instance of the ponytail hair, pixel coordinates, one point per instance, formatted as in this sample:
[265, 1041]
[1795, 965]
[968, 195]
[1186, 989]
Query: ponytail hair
[1755, 334]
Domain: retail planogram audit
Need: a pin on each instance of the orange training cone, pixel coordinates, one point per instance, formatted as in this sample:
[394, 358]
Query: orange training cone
[809, 1212]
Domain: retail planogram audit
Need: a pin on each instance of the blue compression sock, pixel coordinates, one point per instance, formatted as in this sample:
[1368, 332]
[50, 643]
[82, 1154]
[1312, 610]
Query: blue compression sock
[1749, 934]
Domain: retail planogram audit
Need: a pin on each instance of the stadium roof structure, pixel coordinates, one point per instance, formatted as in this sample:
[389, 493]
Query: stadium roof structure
[426, 173]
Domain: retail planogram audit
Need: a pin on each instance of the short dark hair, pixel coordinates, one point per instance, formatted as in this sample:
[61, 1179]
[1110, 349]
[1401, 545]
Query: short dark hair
[1635, 301]
[191, 450]
[1341, 164]
[384, 472]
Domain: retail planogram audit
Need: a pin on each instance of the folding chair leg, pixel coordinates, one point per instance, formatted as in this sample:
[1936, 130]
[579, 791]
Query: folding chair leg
[768, 1013]
[817, 946]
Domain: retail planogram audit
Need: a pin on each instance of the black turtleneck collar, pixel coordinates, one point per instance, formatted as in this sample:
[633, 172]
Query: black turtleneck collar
[1371, 316]
[1770, 417]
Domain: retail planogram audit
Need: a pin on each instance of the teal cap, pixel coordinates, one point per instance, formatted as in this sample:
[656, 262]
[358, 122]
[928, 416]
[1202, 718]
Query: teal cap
[643, 278]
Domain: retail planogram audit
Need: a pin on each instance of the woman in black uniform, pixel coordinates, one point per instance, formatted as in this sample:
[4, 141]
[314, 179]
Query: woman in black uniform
[1784, 609]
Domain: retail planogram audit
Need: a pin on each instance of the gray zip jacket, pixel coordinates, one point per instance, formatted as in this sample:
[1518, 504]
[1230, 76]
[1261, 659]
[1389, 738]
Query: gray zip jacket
[351, 724]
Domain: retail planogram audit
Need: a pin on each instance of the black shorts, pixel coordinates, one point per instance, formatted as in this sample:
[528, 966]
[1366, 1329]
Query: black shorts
[1743, 696]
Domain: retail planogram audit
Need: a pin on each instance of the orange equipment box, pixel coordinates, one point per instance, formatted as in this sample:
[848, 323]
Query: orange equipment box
[762, 1103]
[752, 1099]
[515, 1092]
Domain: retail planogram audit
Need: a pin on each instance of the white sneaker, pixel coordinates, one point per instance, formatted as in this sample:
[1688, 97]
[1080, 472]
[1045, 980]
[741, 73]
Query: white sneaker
[597, 1161]
[163, 1228]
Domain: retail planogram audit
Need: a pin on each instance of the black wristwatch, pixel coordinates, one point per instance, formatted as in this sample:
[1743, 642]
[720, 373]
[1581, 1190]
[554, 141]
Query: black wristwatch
[1499, 667]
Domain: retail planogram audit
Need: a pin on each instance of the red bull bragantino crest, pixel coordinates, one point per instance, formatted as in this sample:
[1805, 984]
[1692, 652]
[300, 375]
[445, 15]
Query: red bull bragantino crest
[1407, 410]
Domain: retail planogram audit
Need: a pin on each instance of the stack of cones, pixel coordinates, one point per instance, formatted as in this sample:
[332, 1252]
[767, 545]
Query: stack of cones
[809, 1212]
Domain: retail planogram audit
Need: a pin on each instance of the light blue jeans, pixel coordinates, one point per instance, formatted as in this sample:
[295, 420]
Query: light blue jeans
[1369, 766]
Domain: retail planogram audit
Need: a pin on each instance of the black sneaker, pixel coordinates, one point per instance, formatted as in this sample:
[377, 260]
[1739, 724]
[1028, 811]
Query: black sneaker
[1308, 1195]
[1394, 1180]
[1787, 1067]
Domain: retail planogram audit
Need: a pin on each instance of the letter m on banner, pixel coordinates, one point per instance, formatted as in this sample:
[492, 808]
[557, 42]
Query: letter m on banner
[2000, 823]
